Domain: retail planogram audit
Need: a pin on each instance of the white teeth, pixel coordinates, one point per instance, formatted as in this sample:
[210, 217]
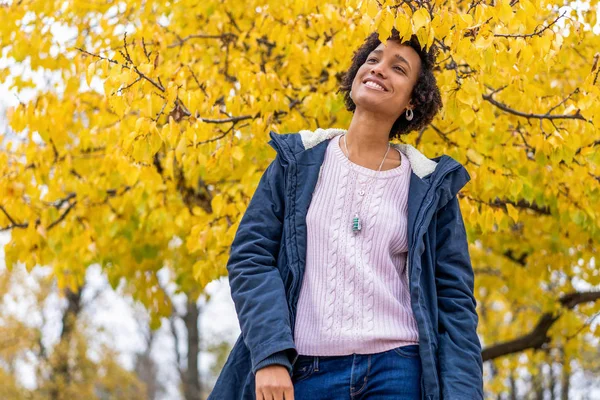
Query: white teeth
[374, 85]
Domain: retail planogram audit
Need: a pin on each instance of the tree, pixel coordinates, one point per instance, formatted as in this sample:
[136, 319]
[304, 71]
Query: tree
[62, 370]
[167, 140]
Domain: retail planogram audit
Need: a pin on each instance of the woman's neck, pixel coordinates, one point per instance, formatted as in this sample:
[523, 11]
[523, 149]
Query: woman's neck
[368, 136]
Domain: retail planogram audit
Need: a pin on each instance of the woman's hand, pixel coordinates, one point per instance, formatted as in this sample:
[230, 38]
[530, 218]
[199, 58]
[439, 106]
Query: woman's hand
[273, 382]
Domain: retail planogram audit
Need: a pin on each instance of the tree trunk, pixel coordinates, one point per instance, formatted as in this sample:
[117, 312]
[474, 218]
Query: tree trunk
[191, 382]
[513, 386]
[60, 370]
[147, 370]
[537, 384]
[552, 381]
[565, 378]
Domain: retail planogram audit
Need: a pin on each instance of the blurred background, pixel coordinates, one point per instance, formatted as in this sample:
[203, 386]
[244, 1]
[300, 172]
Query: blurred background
[133, 134]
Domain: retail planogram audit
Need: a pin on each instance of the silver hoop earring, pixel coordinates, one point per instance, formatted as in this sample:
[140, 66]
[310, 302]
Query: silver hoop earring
[409, 116]
[350, 93]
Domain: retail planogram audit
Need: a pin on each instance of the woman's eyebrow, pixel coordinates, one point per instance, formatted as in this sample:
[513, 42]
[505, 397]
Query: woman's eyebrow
[398, 56]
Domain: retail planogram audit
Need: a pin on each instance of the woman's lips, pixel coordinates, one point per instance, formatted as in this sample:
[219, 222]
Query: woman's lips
[373, 88]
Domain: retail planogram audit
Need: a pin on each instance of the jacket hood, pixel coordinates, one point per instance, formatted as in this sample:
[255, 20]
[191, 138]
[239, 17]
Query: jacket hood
[454, 174]
[421, 165]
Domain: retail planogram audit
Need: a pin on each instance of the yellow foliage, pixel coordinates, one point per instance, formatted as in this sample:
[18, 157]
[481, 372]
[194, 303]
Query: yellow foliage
[173, 141]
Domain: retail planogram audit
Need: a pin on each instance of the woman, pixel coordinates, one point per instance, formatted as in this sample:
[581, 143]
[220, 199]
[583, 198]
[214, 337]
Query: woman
[350, 270]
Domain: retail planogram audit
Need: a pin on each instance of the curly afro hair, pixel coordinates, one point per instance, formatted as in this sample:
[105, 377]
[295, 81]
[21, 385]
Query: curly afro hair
[426, 97]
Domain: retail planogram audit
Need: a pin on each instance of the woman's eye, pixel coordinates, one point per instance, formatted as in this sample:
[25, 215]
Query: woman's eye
[400, 69]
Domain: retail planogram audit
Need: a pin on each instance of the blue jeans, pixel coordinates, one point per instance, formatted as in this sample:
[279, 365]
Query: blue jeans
[393, 374]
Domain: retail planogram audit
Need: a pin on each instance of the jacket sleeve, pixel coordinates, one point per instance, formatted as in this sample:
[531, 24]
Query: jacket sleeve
[256, 285]
[280, 358]
[459, 348]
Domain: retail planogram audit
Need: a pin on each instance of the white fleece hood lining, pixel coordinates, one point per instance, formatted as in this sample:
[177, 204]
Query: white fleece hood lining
[420, 164]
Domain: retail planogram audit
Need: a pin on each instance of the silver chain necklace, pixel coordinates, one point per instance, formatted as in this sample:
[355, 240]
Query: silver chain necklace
[356, 223]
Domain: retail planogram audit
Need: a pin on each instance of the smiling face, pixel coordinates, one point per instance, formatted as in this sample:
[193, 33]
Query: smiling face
[393, 70]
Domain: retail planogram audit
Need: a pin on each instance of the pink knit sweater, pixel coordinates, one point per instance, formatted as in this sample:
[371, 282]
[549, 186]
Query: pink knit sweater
[354, 296]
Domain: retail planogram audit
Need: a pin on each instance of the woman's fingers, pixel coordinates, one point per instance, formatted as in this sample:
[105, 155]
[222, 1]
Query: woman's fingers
[275, 394]
[273, 383]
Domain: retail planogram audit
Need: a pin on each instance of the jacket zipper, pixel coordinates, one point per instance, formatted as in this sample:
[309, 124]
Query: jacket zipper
[290, 171]
[295, 274]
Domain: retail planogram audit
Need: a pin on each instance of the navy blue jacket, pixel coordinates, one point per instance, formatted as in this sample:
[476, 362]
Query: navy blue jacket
[268, 254]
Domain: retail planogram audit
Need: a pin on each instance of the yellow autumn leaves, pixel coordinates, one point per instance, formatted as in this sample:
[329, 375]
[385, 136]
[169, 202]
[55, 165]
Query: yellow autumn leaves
[168, 137]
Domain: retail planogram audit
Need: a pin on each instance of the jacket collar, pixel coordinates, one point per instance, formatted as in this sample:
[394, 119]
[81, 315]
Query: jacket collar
[420, 164]
[444, 172]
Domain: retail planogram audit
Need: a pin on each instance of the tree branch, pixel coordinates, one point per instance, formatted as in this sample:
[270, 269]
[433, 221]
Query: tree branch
[535, 32]
[539, 335]
[504, 107]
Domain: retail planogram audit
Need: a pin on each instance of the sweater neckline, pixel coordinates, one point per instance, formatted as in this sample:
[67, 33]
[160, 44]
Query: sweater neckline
[367, 171]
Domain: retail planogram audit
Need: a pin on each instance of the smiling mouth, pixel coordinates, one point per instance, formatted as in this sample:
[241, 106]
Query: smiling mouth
[374, 88]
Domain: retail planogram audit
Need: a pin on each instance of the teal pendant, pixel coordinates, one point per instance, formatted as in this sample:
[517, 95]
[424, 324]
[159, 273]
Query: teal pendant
[356, 227]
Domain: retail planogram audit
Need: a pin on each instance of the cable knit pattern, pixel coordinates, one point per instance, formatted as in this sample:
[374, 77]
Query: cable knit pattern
[354, 296]
[351, 271]
[332, 258]
[366, 250]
